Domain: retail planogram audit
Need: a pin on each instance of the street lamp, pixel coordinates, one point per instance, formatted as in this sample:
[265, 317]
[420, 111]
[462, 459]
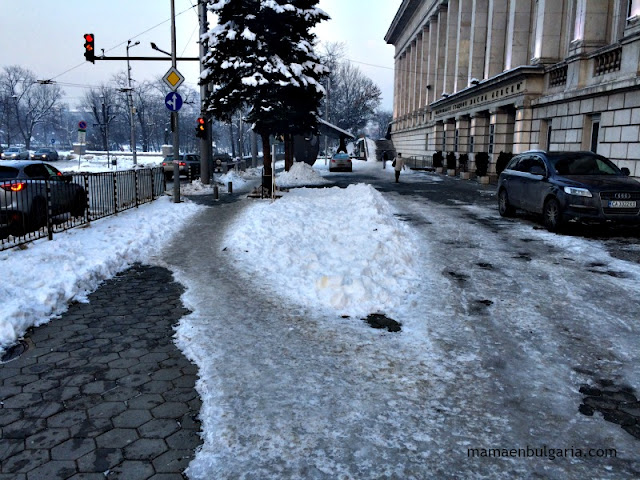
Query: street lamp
[131, 108]
[155, 47]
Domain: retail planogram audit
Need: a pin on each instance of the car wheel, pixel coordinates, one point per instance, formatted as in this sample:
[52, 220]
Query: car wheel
[38, 214]
[79, 204]
[552, 215]
[505, 209]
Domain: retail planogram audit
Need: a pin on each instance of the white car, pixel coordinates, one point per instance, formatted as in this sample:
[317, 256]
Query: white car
[15, 153]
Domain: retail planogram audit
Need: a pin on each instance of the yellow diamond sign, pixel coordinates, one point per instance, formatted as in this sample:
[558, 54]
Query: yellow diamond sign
[173, 78]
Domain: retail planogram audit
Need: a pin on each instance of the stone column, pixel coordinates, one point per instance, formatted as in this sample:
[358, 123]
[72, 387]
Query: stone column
[504, 122]
[479, 130]
[411, 76]
[416, 74]
[424, 68]
[548, 37]
[450, 133]
[590, 29]
[518, 30]
[403, 89]
[478, 42]
[430, 88]
[462, 125]
[522, 129]
[396, 89]
[438, 131]
[463, 47]
[440, 69]
[496, 37]
[451, 47]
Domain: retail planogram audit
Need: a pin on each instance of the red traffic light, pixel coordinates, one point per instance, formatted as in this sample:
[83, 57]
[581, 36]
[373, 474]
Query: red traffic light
[200, 128]
[89, 47]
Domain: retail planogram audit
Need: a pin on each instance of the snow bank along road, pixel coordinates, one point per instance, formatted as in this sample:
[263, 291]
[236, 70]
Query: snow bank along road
[502, 326]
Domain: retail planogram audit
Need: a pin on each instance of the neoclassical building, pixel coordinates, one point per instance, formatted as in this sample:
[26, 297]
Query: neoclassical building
[513, 75]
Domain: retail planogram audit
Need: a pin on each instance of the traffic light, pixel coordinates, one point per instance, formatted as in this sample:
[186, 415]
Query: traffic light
[89, 48]
[200, 128]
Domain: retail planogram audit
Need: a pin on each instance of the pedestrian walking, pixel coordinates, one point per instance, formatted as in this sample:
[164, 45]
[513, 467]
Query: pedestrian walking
[398, 165]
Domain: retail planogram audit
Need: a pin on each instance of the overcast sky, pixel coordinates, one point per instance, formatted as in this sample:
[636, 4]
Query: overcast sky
[47, 38]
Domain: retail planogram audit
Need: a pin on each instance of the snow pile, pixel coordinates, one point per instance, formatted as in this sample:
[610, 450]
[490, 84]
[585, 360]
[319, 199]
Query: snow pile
[363, 266]
[196, 187]
[371, 150]
[38, 282]
[300, 174]
[100, 163]
[239, 181]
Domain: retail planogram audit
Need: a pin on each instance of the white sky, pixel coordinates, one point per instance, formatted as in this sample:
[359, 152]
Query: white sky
[47, 38]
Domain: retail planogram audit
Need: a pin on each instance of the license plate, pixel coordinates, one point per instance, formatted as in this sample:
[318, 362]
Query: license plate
[622, 204]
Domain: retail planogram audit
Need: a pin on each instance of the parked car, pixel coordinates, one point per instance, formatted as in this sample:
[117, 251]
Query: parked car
[568, 186]
[189, 165]
[45, 154]
[340, 161]
[15, 153]
[220, 160]
[23, 195]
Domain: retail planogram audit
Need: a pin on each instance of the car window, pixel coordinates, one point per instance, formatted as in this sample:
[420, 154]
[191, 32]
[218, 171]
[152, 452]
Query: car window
[584, 164]
[536, 166]
[8, 172]
[53, 172]
[522, 165]
[36, 171]
[192, 158]
[512, 163]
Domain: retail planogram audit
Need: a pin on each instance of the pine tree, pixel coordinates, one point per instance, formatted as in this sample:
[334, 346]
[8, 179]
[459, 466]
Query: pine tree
[262, 56]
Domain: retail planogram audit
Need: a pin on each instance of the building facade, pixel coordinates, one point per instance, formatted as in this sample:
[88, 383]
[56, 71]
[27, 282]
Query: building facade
[512, 75]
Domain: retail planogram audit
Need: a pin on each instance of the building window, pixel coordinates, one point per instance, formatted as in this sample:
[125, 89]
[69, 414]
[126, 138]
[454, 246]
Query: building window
[444, 140]
[455, 140]
[549, 130]
[595, 131]
[492, 131]
[426, 141]
[471, 144]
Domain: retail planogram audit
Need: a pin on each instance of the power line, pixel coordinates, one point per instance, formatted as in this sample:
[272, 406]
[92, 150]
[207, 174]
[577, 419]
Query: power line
[125, 41]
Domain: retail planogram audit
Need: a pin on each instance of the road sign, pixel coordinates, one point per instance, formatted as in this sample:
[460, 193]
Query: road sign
[53, 141]
[173, 101]
[82, 125]
[173, 78]
[82, 136]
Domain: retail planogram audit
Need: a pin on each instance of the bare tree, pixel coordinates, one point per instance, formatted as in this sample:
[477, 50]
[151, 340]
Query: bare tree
[353, 97]
[27, 102]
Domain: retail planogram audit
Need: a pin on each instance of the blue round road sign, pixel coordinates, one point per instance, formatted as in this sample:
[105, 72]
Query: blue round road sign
[173, 101]
[53, 141]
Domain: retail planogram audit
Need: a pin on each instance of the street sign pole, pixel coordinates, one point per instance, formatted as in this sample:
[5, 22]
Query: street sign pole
[174, 115]
[205, 143]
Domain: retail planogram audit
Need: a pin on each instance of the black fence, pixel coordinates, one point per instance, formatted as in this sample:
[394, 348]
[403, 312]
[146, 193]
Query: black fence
[33, 209]
[423, 162]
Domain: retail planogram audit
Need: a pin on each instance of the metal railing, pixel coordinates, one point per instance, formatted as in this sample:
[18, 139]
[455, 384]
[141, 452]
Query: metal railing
[32, 209]
[419, 161]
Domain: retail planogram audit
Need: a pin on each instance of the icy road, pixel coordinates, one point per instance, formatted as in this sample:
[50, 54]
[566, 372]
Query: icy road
[502, 325]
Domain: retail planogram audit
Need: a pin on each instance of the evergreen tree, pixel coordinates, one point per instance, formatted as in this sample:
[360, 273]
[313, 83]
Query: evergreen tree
[262, 55]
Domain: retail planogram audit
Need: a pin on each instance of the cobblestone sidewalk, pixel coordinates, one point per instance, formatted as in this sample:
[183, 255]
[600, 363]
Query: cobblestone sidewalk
[103, 392]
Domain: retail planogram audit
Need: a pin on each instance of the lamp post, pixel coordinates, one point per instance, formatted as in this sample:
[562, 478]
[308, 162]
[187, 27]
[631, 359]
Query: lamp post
[131, 108]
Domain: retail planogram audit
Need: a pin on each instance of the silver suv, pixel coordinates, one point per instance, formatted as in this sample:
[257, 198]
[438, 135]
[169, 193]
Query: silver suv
[15, 153]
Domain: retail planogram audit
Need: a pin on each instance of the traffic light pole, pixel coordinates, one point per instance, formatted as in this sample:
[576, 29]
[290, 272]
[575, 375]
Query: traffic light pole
[205, 142]
[174, 115]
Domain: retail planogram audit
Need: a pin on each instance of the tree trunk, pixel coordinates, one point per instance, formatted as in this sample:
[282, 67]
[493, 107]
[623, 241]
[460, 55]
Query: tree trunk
[266, 153]
[233, 142]
[288, 151]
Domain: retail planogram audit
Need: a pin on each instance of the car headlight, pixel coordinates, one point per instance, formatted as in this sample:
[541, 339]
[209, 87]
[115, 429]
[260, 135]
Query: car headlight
[580, 192]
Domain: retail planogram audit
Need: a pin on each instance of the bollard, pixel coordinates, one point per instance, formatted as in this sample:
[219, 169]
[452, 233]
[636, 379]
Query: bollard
[230, 187]
[215, 192]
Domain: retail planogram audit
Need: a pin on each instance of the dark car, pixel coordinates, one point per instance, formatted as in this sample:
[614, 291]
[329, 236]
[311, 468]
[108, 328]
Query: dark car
[568, 186]
[23, 195]
[222, 162]
[45, 154]
[189, 164]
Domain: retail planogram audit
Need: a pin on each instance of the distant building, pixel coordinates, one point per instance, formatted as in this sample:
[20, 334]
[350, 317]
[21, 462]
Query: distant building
[511, 75]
